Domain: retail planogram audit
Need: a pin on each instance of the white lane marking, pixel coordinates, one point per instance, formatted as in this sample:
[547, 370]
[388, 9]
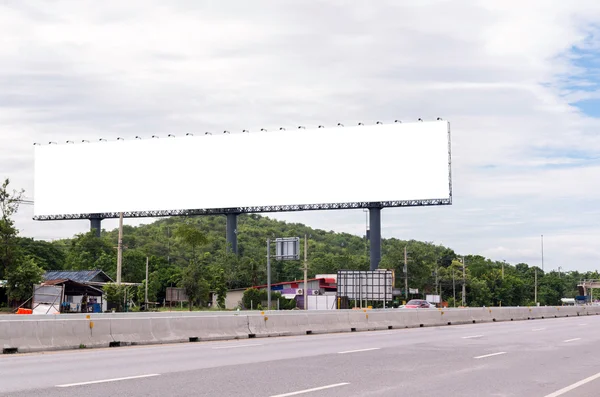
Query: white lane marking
[236, 346]
[359, 350]
[311, 390]
[538, 329]
[573, 386]
[582, 324]
[107, 380]
[571, 340]
[471, 337]
[490, 355]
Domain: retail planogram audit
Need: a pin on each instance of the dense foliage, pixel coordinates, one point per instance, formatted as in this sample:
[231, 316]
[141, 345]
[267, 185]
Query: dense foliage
[19, 258]
[191, 253]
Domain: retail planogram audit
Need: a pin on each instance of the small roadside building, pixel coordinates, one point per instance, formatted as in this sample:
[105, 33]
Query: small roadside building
[81, 290]
[321, 292]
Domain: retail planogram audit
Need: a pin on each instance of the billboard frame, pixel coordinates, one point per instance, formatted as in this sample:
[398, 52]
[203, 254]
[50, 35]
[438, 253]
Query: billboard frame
[249, 210]
[268, 208]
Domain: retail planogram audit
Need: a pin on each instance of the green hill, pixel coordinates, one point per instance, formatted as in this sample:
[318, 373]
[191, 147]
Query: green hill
[170, 256]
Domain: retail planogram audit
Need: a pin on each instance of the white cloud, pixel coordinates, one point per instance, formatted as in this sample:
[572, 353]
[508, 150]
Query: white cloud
[501, 72]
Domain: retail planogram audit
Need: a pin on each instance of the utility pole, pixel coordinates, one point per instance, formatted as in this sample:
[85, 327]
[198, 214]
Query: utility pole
[464, 290]
[305, 272]
[146, 292]
[436, 282]
[269, 274]
[405, 274]
[503, 262]
[168, 245]
[453, 288]
[120, 249]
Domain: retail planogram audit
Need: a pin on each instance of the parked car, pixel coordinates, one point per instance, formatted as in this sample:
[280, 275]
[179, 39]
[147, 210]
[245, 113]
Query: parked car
[419, 304]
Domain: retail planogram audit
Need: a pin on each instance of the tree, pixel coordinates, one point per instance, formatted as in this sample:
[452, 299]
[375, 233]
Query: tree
[478, 293]
[86, 251]
[115, 295]
[191, 236]
[173, 244]
[9, 205]
[195, 286]
[21, 279]
[251, 298]
[47, 255]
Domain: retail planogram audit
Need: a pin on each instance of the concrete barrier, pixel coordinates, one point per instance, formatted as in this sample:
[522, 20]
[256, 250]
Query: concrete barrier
[481, 314]
[386, 319]
[328, 322]
[501, 314]
[519, 313]
[32, 336]
[430, 317]
[275, 325]
[62, 332]
[456, 316]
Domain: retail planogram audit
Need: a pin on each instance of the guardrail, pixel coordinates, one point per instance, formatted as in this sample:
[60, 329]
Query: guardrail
[72, 331]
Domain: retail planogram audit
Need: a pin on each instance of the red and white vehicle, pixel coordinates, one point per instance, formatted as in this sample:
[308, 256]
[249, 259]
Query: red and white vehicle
[418, 304]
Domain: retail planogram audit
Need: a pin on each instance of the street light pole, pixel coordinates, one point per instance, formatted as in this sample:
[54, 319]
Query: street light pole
[542, 252]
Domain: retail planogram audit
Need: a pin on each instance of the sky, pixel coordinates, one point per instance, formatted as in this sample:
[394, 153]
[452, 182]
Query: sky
[518, 81]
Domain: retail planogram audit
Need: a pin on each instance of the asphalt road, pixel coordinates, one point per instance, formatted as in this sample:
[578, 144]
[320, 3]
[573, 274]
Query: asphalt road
[545, 358]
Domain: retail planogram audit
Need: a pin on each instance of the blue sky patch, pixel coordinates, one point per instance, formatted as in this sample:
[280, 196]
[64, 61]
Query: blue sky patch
[586, 80]
[591, 107]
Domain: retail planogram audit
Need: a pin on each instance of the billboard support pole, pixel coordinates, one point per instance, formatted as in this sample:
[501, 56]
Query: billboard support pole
[96, 226]
[268, 274]
[232, 220]
[405, 274]
[375, 236]
[305, 272]
[120, 249]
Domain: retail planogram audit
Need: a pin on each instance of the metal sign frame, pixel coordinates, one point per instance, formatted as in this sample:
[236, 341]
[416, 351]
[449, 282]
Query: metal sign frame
[174, 294]
[287, 249]
[365, 285]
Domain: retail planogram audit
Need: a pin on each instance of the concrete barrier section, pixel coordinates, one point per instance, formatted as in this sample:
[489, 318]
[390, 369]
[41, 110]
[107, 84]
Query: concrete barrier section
[330, 321]
[430, 317]
[481, 314]
[276, 325]
[133, 331]
[359, 320]
[36, 333]
[456, 316]
[387, 319]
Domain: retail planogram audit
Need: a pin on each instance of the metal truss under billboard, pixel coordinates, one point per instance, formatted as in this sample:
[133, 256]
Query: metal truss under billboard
[383, 165]
[375, 285]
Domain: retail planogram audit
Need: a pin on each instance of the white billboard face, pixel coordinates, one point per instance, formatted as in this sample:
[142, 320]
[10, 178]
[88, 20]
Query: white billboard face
[400, 161]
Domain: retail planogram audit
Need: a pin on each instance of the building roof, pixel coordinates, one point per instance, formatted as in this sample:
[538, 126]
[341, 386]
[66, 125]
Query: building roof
[73, 288]
[321, 280]
[80, 276]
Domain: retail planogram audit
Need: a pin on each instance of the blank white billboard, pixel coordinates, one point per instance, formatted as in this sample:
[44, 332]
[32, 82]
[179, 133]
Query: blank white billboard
[382, 162]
